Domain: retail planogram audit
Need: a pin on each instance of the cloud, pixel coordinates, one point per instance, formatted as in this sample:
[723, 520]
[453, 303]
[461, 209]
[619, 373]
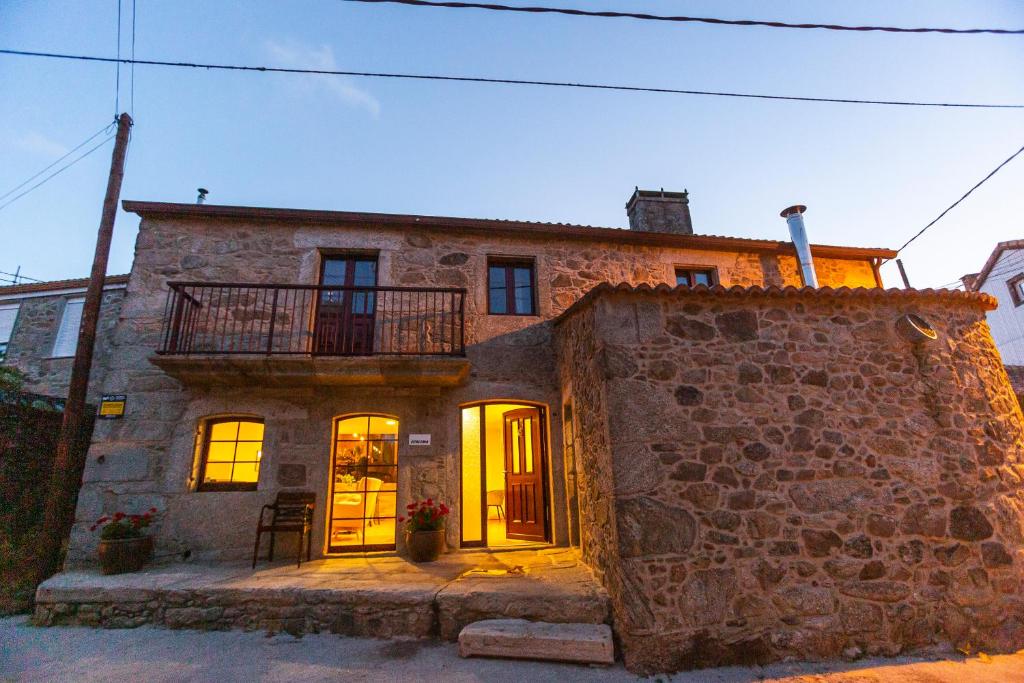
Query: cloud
[38, 143]
[299, 57]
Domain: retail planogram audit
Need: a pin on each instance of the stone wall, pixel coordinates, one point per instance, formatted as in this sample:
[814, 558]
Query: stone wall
[789, 478]
[147, 459]
[35, 331]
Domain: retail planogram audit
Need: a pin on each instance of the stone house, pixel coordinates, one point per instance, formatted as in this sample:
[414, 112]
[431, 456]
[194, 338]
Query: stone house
[1002, 276]
[753, 469]
[39, 324]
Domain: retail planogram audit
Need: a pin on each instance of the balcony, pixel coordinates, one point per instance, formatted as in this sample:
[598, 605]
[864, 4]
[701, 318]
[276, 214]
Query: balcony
[289, 335]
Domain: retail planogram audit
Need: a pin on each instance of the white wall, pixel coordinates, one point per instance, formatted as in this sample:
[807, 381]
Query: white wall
[1007, 321]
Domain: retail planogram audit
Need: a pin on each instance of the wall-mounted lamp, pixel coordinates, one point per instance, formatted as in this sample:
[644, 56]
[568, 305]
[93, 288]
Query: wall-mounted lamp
[914, 329]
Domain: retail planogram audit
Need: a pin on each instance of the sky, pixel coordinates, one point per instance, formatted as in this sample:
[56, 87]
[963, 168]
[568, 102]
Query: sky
[870, 175]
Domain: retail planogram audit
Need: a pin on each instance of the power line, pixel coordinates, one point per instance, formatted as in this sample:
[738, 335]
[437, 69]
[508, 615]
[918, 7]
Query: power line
[70, 152]
[507, 81]
[117, 80]
[132, 107]
[680, 19]
[19, 276]
[54, 174]
[965, 196]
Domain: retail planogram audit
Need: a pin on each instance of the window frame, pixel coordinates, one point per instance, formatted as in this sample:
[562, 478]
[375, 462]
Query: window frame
[1015, 292]
[509, 264]
[60, 327]
[204, 452]
[6, 343]
[690, 271]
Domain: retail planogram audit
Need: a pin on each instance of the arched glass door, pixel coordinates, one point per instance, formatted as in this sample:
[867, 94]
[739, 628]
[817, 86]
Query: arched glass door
[364, 483]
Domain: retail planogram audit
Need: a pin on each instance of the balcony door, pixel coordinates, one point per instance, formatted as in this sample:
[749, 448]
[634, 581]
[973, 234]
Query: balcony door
[345, 316]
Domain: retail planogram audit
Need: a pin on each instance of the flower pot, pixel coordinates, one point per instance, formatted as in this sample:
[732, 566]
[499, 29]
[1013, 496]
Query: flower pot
[424, 546]
[121, 555]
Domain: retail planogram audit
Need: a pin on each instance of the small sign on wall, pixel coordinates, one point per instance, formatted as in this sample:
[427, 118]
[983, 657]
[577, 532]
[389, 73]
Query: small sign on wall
[112, 406]
[419, 439]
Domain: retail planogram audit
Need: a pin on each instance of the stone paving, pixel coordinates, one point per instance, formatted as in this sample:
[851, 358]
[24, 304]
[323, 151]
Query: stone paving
[375, 595]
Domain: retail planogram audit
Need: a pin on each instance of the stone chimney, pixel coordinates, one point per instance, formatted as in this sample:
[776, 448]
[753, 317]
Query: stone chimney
[660, 211]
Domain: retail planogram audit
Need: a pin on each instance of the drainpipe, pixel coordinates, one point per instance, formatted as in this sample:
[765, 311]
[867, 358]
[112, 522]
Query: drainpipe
[794, 216]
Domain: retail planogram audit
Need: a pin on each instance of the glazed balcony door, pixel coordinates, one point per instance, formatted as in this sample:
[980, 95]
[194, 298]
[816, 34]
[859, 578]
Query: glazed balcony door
[524, 476]
[345, 317]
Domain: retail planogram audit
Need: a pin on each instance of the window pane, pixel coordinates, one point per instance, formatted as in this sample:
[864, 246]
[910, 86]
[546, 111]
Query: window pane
[220, 451]
[246, 472]
[250, 431]
[8, 314]
[217, 472]
[352, 428]
[223, 431]
[498, 291]
[334, 271]
[702, 277]
[250, 451]
[524, 290]
[528, 445]
[515, 446]
[365, 274]
[682, 278]
[384, 428]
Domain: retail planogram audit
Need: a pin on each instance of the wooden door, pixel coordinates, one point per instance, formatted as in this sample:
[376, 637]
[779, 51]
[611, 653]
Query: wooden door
[345, 317]
[524, 476]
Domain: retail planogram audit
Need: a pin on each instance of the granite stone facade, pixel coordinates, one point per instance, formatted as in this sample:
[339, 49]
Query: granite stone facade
[31, 345]
[771, 474]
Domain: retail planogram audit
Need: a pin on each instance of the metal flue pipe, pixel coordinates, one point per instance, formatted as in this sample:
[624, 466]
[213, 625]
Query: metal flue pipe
[794, 216]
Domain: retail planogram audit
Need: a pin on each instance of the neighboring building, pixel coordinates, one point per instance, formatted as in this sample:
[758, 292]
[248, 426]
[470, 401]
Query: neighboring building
[1003, 277]
[39, 325]
[753, 469]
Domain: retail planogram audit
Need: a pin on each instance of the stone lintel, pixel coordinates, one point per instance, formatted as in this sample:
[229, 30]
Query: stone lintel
[290, 371]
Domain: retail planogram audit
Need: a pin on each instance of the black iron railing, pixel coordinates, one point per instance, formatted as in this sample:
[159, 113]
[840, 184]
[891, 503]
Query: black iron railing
[233, 318]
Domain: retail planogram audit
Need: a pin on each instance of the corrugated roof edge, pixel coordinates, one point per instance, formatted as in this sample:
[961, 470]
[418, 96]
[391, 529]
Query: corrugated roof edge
[52, 285]
[491, 225]
[953, 296]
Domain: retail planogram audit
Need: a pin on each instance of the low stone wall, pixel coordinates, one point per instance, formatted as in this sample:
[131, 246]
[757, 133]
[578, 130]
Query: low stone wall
[789, 478]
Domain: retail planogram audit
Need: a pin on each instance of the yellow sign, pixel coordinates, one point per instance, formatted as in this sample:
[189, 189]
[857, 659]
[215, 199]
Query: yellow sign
[112, 407]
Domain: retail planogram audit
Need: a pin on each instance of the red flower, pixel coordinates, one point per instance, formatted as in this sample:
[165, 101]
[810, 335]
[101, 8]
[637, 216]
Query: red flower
[401, 519]
[430, 502]
[410, 506]
[102, 519]
[118, 516]
[153, 510]
[92, 528]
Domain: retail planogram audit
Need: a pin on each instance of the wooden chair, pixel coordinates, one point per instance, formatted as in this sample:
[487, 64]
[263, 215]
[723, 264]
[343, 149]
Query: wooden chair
[496, 499]
[293, 514]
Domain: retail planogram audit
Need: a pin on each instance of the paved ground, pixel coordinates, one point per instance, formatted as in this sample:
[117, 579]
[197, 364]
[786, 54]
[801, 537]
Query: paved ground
[28, 653]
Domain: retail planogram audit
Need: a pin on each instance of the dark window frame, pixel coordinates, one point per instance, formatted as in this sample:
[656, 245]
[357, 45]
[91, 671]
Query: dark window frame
[509, 265]
[1015, 293]
[204, 453]
[691, 271]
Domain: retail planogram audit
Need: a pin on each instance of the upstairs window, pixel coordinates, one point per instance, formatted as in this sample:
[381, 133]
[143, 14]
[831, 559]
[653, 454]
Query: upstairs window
[67, 334]
[8, 314]
[691, 277]
[1016, 285]
[232, 450]
[511, 287]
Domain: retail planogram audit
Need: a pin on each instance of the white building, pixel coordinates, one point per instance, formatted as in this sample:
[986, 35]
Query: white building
[1003, 277]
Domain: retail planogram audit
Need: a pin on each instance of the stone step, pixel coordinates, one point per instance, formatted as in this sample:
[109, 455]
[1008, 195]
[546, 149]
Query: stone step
[538, 640]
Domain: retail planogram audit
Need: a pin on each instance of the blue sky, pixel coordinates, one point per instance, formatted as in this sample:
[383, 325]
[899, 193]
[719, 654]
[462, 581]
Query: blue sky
[871, 176]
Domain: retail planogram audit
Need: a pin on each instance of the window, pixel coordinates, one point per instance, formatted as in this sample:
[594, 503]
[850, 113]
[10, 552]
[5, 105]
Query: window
[232, 450]
[8, 314]
[1016, 285]
[364, 488]
[67, 334]
[691, 277]
[511, 288]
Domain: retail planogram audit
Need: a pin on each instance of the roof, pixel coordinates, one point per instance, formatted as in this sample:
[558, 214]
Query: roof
[57, 285]
[490, 226]
[986, 301]
[974, 283]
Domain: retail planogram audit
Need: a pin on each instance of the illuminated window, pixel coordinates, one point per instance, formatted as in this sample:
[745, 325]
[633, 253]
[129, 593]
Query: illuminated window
[232, 450]
[510, 288]
[691, 277]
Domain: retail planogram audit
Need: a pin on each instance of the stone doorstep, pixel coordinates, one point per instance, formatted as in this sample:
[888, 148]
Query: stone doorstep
[538, 640]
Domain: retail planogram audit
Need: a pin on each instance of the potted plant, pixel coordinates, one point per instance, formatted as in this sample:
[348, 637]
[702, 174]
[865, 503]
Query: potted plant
[124, 546]
[424, 529]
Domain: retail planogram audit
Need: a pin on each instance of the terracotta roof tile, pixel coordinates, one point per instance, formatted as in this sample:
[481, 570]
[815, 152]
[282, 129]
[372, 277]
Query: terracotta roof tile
[55, 285]
[954, 296]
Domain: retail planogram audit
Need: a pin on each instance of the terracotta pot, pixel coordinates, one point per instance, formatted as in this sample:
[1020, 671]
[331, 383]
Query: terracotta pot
[118, 556]
[424, 546]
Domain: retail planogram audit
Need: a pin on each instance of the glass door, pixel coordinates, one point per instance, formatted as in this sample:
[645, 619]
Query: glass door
[364, 484]
[345, 316]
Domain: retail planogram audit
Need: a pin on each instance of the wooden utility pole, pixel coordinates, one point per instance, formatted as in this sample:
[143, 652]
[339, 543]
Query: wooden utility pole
[69, 459]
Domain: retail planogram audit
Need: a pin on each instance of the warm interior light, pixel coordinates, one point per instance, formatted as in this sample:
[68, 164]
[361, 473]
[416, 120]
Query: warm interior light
[390, 423]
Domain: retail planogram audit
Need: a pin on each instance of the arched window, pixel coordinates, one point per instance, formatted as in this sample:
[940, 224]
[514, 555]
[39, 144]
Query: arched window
[231, 452]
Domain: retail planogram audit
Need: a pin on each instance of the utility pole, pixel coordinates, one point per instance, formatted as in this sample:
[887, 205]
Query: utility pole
[69, 460]
[903, 273]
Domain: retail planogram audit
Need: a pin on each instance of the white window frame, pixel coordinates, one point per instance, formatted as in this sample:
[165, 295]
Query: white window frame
[66, 341]
[7, 333]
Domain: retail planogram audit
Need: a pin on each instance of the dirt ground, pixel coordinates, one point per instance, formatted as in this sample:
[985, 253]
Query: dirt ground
[28, 653]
